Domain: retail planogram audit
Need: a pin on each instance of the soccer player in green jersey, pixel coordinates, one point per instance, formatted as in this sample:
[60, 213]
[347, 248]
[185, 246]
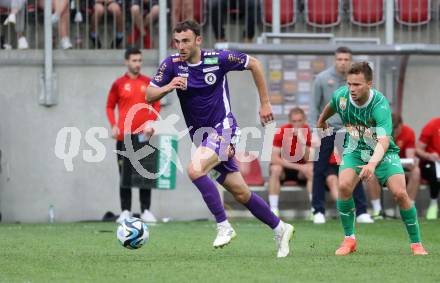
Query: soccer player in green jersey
[369, 150]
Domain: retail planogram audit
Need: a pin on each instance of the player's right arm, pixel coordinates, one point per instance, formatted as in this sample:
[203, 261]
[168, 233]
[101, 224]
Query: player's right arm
[164, 82]
[325, 115]
[155, 93]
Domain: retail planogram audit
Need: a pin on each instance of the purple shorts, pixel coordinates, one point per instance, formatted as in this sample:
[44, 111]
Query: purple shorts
[223, 142]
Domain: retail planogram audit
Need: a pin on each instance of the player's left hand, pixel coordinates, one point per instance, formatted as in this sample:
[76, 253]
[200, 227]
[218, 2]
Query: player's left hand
[266, 115]
[367, 172]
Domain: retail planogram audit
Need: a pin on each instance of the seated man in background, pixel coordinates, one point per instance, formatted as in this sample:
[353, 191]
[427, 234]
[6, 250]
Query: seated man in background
[142, 16]
[114, 8]
[428, 149]
[291, 147]
[405, 139]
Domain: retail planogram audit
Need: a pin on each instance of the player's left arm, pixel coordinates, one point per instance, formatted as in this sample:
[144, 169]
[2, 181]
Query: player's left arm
[383, 130]
[266, 115]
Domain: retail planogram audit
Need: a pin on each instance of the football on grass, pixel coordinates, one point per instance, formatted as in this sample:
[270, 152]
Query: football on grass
[132, 233]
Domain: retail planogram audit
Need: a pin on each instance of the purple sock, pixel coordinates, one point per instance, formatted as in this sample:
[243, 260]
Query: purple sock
[259, 208]
[211, 196]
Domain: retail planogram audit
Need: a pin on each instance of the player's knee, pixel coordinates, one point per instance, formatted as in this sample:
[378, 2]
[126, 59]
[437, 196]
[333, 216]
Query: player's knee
[345, 188]
[114, 9]
[242, 196]
[400, 196]
[275, 171]
[194, 172]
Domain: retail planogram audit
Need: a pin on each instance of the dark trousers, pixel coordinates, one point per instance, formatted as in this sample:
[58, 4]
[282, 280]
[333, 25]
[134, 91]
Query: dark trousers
[428, 173]
[219, 10]
[124, 192]
[320, 168]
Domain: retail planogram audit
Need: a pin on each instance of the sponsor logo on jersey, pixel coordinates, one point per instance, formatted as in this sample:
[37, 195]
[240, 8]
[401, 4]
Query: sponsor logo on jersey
[183, 68]
[127, 87]
[159, 76]
[210, 61]
[233, 58]
[210, 78]
[211, 69]
[177, 59]
[343, 103]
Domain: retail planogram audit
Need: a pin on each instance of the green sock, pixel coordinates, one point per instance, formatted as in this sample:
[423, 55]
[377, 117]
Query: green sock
[346, 212]
[409, 217]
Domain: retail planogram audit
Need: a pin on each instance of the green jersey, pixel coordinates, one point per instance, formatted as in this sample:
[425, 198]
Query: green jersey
[364, 123]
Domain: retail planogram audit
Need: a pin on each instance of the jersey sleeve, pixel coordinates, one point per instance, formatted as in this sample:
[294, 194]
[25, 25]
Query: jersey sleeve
[427, 133]
[382, 116]
[278, 138]
[165, 73]
[233, 60]
[112, 100]
[334, 101]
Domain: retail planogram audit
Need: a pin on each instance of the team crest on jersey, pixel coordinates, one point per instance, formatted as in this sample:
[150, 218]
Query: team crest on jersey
[210, 78]
[343, 103]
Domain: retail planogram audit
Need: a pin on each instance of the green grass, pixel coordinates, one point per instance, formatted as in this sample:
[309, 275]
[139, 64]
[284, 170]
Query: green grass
[182, 252]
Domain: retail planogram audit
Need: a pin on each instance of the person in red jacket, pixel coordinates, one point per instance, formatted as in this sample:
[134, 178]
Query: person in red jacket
[126, 92]
[428, 149]
[290, 156]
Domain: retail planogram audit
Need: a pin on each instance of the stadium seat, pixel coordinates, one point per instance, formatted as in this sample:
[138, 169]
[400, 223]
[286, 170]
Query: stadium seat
[199, 11]
[367, 12]
[288, 12]
[413, 12]
[251, 171]
[323, 13]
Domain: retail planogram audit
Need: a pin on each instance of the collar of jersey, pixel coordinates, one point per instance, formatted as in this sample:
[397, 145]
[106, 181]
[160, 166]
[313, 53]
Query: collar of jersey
[370, 97]
[199, 63]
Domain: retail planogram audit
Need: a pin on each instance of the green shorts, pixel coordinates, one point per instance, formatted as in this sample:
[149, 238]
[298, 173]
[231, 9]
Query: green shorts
[390, 164]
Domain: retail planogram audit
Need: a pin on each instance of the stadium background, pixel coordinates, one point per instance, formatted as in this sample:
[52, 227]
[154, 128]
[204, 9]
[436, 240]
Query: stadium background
[32, 177]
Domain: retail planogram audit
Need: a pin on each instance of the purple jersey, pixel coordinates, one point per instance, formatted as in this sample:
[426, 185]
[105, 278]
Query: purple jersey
[205, 102]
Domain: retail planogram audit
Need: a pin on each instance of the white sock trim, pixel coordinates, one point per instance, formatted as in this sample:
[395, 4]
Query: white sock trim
[375, 203]
[280, 228]
[273, 201]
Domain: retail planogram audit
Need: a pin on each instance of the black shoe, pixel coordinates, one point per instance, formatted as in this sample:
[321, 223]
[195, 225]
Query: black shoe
[117, 43]
[95, 43]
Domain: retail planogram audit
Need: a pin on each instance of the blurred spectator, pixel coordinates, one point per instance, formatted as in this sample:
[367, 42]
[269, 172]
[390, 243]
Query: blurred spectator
[405, 139]
[220, 8]
[126, 92]
[60, 17]
[16, 17]
[182, 10]
[289, 159]
[142, 17]
[114, 8]
[326, 83]
[428, 149]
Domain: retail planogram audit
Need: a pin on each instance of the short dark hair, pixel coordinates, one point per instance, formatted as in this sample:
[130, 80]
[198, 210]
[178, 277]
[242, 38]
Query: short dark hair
[187, 25]
[296, 110]
[131, 51]
[343, 49]
[361, 68]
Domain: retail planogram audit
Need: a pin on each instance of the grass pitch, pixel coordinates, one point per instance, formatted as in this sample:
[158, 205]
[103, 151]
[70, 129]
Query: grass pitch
[182, 252]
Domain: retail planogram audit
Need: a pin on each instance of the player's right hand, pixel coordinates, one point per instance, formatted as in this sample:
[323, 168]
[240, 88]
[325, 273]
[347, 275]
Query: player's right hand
[177, 83]
[115, 132]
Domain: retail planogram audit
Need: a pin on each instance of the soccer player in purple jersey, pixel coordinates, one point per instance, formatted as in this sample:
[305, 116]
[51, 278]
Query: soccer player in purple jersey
[199, 77]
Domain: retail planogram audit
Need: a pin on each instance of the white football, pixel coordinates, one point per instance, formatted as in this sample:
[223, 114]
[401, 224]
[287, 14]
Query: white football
[132, 233]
